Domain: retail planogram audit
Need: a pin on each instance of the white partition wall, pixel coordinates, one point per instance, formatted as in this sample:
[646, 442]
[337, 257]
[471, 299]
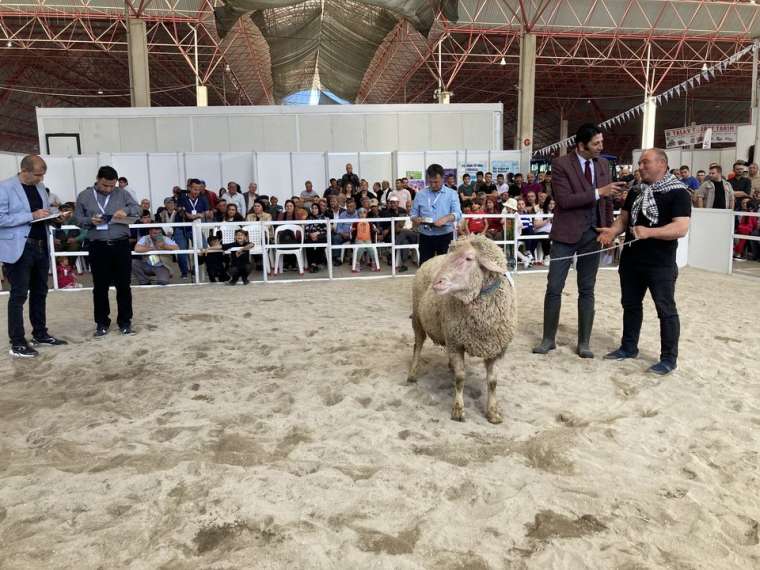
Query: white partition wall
[9, 165]
[134, 167]
[165, 171]
[206, 166]
[308, 166]
[273, 174]
[376, 167]
[290, 128]
[336, 163]
[238, 167]
[711, 239]
[410, 162]
[85, 172]
[60, 177]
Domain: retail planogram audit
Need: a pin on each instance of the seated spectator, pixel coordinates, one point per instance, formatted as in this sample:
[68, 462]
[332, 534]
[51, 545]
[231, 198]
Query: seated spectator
[451, 182]
[488, 186]
[474, 225]
[220, 210]
[322, 203]
[348, 190]
[343, 231]
[145, 204]
[146, 266]
[342, 200]
[510, 208]
[235, 196]
[289, 213]
[526, 229]
[405, 232]
[257, 214]
[66, 274]
[333, 189]
[213, 257]
[746, 226]
[380, 193]
[169, 215]
[136, 233]
[251, 196]
[69, 240]
[364, 203]
[515, 189]
[232, 214]
[531, 185]
[334, 212]
[315, 232]
[543, 225]
[494, 227]
[374, 208]
[401, 193]
[362, 234]
[364, 193]
[531, 205]
[309, 195]
[466, 191]
[274, 207]
[502, 188]
[385, 188]
[240, 258]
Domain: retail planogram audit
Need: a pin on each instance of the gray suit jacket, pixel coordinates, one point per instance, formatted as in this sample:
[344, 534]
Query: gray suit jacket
[16, 218]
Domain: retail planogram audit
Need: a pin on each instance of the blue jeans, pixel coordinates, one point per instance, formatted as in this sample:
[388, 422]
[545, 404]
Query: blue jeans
[180, 237]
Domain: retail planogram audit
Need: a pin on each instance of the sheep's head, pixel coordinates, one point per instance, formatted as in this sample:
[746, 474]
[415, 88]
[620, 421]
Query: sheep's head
[472, 264]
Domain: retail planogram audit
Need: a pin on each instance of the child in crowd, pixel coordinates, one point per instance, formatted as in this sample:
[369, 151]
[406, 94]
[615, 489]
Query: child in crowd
[67, 278]
[214, 259]
[525, 221]
[474, 225]
[240, 258]
[362, 234]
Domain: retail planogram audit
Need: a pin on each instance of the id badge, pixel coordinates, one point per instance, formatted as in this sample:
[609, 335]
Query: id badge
[193, 212]
[102, 227]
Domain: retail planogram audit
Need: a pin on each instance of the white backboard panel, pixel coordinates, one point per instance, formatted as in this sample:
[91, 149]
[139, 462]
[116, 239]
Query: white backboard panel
[205, 166]
[134, 167]
[308, 166]
[273, 174]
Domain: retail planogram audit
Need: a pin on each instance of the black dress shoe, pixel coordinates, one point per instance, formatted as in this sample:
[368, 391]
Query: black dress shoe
[662, 368]
[100, 331]
[620, 354]
[126, 330]
[23, 351]
[48, 341]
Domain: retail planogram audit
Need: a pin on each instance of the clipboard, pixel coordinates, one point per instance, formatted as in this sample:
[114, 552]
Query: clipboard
[46, 218]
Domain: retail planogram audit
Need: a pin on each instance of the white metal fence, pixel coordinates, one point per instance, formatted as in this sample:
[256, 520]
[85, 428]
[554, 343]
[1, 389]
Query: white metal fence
[199, 232]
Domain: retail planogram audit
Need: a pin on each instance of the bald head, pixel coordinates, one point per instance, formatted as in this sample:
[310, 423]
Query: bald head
[653, 165]
[33, 169]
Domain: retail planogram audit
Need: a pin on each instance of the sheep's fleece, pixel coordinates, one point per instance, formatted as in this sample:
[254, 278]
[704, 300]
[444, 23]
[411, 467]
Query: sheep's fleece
[483, 327]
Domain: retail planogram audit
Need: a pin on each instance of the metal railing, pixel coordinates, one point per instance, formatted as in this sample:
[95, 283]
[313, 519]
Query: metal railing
[199, 231]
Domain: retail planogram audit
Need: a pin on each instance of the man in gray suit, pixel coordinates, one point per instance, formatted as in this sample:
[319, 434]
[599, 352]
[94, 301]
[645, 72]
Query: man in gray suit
[24, 253]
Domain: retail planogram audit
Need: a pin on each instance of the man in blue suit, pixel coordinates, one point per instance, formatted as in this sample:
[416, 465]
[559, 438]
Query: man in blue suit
[24, 253]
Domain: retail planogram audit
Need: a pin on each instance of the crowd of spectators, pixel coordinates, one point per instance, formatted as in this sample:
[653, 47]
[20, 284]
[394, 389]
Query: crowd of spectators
[350, 197]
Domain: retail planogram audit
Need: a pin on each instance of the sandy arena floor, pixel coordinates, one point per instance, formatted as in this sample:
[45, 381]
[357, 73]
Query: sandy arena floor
[272, 427]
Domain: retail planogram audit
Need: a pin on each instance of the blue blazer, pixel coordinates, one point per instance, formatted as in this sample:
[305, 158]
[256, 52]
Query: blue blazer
[16, 218]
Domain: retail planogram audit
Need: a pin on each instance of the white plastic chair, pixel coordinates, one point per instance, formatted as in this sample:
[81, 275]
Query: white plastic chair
[288, 249]
[257, 235]
[228, 234]
[415, 250]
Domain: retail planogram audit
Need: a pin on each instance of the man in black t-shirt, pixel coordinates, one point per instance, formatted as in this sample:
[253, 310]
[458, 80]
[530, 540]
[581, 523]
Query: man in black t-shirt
[657, 215]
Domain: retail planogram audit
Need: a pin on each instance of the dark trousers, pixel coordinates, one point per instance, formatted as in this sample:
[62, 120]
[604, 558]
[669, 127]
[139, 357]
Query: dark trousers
[430, 246]
[111, 263]
[28, 278]
[240, 267]
[635, 279]
[586, 270]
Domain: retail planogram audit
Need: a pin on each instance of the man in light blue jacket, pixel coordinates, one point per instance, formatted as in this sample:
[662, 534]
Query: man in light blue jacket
[24, 253]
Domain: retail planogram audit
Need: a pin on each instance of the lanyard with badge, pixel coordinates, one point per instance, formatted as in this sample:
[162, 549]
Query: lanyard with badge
[193, 205]
[102, 209]
[431, 206]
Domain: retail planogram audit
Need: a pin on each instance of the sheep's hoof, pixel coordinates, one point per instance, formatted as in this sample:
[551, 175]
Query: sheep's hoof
[494, 417]
[411, 380]
[457, 413]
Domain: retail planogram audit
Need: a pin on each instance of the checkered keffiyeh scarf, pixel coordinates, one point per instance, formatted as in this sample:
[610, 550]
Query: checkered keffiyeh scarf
[645, 202]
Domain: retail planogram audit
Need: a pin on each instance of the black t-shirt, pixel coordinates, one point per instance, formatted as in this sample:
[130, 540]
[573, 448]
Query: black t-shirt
[35, 203]
[720, 196]
[673, 204]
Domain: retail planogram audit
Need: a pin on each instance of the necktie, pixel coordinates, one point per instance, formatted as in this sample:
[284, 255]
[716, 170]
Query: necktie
[587, 172]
